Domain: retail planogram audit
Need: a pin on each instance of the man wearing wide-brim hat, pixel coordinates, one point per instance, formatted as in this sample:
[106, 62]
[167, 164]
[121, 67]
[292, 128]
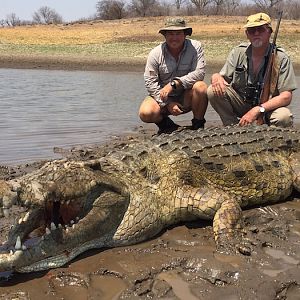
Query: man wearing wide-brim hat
[174, 76]
[235, 92]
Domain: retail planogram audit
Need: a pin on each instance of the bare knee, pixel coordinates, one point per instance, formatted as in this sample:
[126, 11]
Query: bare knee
[149, 111]
[146, 117]
[200, 87]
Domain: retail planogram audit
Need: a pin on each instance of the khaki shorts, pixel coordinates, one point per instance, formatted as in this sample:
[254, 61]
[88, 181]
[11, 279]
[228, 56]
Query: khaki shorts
[177, 97]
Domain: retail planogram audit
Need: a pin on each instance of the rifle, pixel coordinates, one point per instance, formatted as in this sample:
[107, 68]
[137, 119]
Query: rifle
[271, 73]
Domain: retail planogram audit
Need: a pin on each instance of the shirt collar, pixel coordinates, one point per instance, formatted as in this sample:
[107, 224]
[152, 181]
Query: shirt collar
[249, 51]
[165, 48]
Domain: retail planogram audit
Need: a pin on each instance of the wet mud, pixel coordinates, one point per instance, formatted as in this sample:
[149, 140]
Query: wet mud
[180, 263]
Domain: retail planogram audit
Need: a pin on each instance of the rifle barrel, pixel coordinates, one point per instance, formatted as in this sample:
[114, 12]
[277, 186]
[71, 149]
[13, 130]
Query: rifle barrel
[265, 90]
[277, 27]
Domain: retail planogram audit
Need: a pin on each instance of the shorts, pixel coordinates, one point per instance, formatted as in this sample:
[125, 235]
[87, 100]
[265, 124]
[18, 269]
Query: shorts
[173, 97]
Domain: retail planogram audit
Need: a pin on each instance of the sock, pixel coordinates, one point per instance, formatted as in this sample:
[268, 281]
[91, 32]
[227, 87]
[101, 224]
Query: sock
[166, 125]
[196, 123]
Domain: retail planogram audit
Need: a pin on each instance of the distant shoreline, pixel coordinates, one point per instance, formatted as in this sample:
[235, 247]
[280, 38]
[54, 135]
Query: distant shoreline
[69, 64]
[79, 64]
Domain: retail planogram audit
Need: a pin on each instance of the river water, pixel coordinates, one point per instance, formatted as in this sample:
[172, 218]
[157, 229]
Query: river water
[42, 109]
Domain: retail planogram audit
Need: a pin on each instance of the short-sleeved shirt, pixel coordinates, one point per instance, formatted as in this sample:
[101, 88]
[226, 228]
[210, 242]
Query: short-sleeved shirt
[237, 70]
[161, 67]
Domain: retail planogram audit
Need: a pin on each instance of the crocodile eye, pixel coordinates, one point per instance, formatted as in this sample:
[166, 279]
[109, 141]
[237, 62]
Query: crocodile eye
[143, 172]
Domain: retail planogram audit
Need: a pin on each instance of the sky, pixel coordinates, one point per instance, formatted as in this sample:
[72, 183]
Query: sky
[70, 10]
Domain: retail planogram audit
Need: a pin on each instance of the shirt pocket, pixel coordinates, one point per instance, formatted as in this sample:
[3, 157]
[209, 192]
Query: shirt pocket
[164, 70]
[183, 69]
[239, 80]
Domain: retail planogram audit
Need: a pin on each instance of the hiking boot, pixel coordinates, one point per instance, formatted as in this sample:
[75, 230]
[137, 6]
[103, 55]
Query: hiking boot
[166, 125]
[196, 124]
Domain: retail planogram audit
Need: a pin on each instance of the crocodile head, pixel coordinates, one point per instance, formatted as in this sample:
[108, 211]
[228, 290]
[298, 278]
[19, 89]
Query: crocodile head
[69, 210]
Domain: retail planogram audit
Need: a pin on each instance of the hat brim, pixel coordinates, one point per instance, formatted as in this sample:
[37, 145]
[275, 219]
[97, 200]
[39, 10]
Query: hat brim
[187, 30]
[256, 24]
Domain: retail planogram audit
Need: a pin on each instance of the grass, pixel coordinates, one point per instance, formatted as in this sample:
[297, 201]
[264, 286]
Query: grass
[130, 40]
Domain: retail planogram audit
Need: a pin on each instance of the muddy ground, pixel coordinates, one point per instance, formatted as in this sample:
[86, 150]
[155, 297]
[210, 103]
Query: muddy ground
[180, 263]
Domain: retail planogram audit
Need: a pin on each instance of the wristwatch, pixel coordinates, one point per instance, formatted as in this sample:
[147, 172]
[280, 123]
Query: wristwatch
[262, 110]
[161, 103]
[173, 84]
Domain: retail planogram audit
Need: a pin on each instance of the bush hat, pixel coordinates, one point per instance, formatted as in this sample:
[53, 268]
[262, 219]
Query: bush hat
[176, 24]
[258, 20]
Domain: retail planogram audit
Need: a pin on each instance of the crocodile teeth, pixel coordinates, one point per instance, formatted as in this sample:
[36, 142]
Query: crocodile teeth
[5, 212]
[48, 231]
[52, 226]
[18, 245]
[20, 221]
[24, 247]
[26, 217]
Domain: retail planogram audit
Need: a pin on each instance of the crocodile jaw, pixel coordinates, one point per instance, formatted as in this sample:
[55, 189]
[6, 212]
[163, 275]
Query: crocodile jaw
[14, 261]
[60, 245]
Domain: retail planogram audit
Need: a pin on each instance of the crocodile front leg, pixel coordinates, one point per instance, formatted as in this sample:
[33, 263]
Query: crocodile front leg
[227, 226]
[224, 209]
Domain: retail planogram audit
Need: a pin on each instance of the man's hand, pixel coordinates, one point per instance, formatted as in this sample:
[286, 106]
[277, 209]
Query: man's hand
[174, 109]
[218, 84]
[165, 91]
[250, 116]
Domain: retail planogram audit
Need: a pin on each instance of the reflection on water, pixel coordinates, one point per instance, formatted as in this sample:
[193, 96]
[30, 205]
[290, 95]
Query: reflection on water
[42, 109]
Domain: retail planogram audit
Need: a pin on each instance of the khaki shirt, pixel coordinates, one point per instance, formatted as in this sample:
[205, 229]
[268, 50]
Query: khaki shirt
[161, 67]
[237, 70]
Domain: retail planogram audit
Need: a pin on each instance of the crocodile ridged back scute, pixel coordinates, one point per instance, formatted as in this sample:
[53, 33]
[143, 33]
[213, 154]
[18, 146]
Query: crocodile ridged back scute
[231, 139]
[213, 148]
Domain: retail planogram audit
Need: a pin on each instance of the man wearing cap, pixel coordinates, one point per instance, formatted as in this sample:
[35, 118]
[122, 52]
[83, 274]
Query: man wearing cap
[173, 77]
[234, 91]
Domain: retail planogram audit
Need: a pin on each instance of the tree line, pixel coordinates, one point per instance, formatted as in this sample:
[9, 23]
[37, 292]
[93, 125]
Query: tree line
[120, 9]
[44, 15]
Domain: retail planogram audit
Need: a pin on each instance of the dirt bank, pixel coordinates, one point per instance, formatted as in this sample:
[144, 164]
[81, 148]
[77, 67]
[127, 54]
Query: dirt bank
[58, 63]
[85, 64]
[80, 64]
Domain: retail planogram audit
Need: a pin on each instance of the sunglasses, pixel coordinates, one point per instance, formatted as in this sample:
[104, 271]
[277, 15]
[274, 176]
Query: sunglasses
[259, 29]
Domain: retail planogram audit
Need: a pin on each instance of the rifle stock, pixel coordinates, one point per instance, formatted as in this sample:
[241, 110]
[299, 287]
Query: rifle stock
[270, 71]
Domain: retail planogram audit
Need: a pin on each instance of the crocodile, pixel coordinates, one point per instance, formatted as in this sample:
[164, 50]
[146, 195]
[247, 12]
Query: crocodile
[133, 192]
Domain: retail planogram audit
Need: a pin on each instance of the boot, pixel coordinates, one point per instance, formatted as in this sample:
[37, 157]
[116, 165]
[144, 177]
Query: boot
[166, 125]
[196, 124]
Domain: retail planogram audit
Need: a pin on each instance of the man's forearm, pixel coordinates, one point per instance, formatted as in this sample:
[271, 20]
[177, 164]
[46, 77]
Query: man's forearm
[283, 99]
